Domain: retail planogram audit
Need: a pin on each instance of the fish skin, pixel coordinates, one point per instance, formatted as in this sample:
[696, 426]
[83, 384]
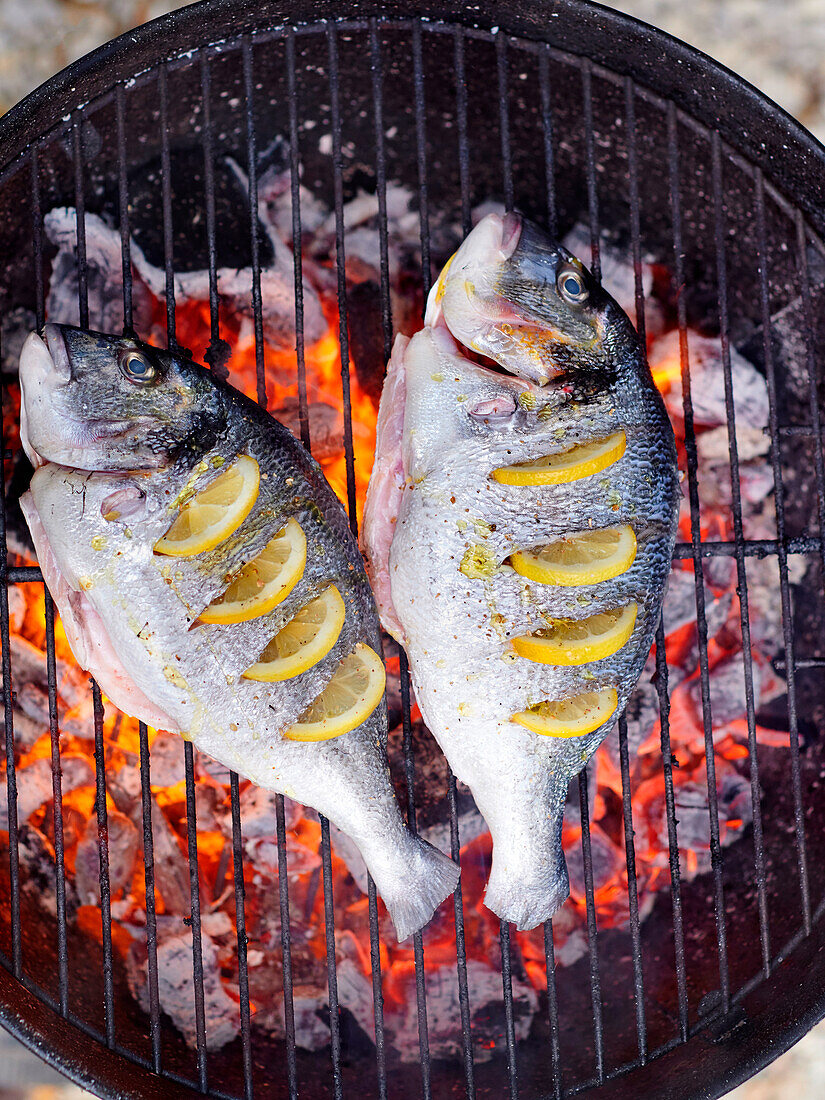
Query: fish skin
[462, 420]
[175, 437]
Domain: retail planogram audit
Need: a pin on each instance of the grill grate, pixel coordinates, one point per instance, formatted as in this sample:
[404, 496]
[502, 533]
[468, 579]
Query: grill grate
[508, 52]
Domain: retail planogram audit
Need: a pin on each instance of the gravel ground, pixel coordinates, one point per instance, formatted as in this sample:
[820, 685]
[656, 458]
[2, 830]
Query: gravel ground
[779, 47]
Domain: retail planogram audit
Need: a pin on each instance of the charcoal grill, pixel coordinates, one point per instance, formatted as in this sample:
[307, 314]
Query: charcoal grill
[565, 111]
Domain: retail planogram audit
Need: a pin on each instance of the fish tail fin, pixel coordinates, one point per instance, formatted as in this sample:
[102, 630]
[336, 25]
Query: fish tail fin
[528, 879]
[413, 895]
[524, 891]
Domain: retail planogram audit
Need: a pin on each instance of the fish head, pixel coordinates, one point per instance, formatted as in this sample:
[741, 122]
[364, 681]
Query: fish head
[99, 402]
[515, 295]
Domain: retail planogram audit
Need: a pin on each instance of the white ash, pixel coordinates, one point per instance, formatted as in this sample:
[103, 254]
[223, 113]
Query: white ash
[707, 382]
[176, 988]
[105, 280]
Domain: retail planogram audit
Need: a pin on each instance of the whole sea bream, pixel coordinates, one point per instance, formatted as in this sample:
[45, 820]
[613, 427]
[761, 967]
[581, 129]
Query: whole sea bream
[206, 576]
[518, 532]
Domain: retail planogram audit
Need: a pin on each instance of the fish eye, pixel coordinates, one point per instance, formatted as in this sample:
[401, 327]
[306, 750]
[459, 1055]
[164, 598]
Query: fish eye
[571, 285]
[137, 368]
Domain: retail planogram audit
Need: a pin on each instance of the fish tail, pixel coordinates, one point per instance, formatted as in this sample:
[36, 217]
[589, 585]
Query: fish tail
[528, 879]
[525, 891]
[414, 887]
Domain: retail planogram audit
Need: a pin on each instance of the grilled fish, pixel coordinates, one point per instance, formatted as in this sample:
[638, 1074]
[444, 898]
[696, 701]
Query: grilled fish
[128, 440]
[518, 532]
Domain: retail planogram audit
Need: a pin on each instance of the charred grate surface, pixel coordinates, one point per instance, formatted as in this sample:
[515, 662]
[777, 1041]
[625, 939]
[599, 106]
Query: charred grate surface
[560, 134]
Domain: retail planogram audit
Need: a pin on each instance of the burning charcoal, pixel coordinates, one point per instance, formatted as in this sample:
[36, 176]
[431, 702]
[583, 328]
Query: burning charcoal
[207, 766]
[34, 785]
[28, 665]
[36, 855]
[123, 848]
[26, 730]
[326, 426]
[123, 786]
[707, 382]
[258, 813]
[727, 689]
[33, 701]
[607, 861]
[17, 608]
[176, 988]
[443, 1009]
[171, 867]
[104, 273]
[166, 763]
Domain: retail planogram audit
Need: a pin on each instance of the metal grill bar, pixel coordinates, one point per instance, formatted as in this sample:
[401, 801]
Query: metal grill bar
[702, 629]
[683, 551]
[672, 839]
[149, 879]
[504, 118]
[195, 914]
[8, 714]
[166, 196]
[57, 796]
[103, 855]
[80, 208]
[418, 942]
[590, 163]
[632, 893]
[297, 258]
[787, 612]
[252, 172]
[340, 264]
[592, 932]
[547, 133]
[215, 354]
[51, 664]
[509, 1026]
[240, 927]
[461, 126]
[553, 1010]
[286, 951]
[123, 209]
[810, 348]
[742, 586]
[332, 975]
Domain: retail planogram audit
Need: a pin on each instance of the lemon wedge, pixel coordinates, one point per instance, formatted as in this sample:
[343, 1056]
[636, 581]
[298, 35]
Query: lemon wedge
[577, 641]
[265, 581]
[305, 639]
[349, 698]
[584, 558]
[570, 717]
[217, 511]
[572, 465]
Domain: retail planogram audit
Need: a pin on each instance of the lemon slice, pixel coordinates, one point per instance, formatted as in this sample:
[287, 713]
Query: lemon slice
[570, 717]
[308, 637]
[265, 581]
[349, 698]
[572, 465]
[215, 512]
[584, 558]
[577, 641]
